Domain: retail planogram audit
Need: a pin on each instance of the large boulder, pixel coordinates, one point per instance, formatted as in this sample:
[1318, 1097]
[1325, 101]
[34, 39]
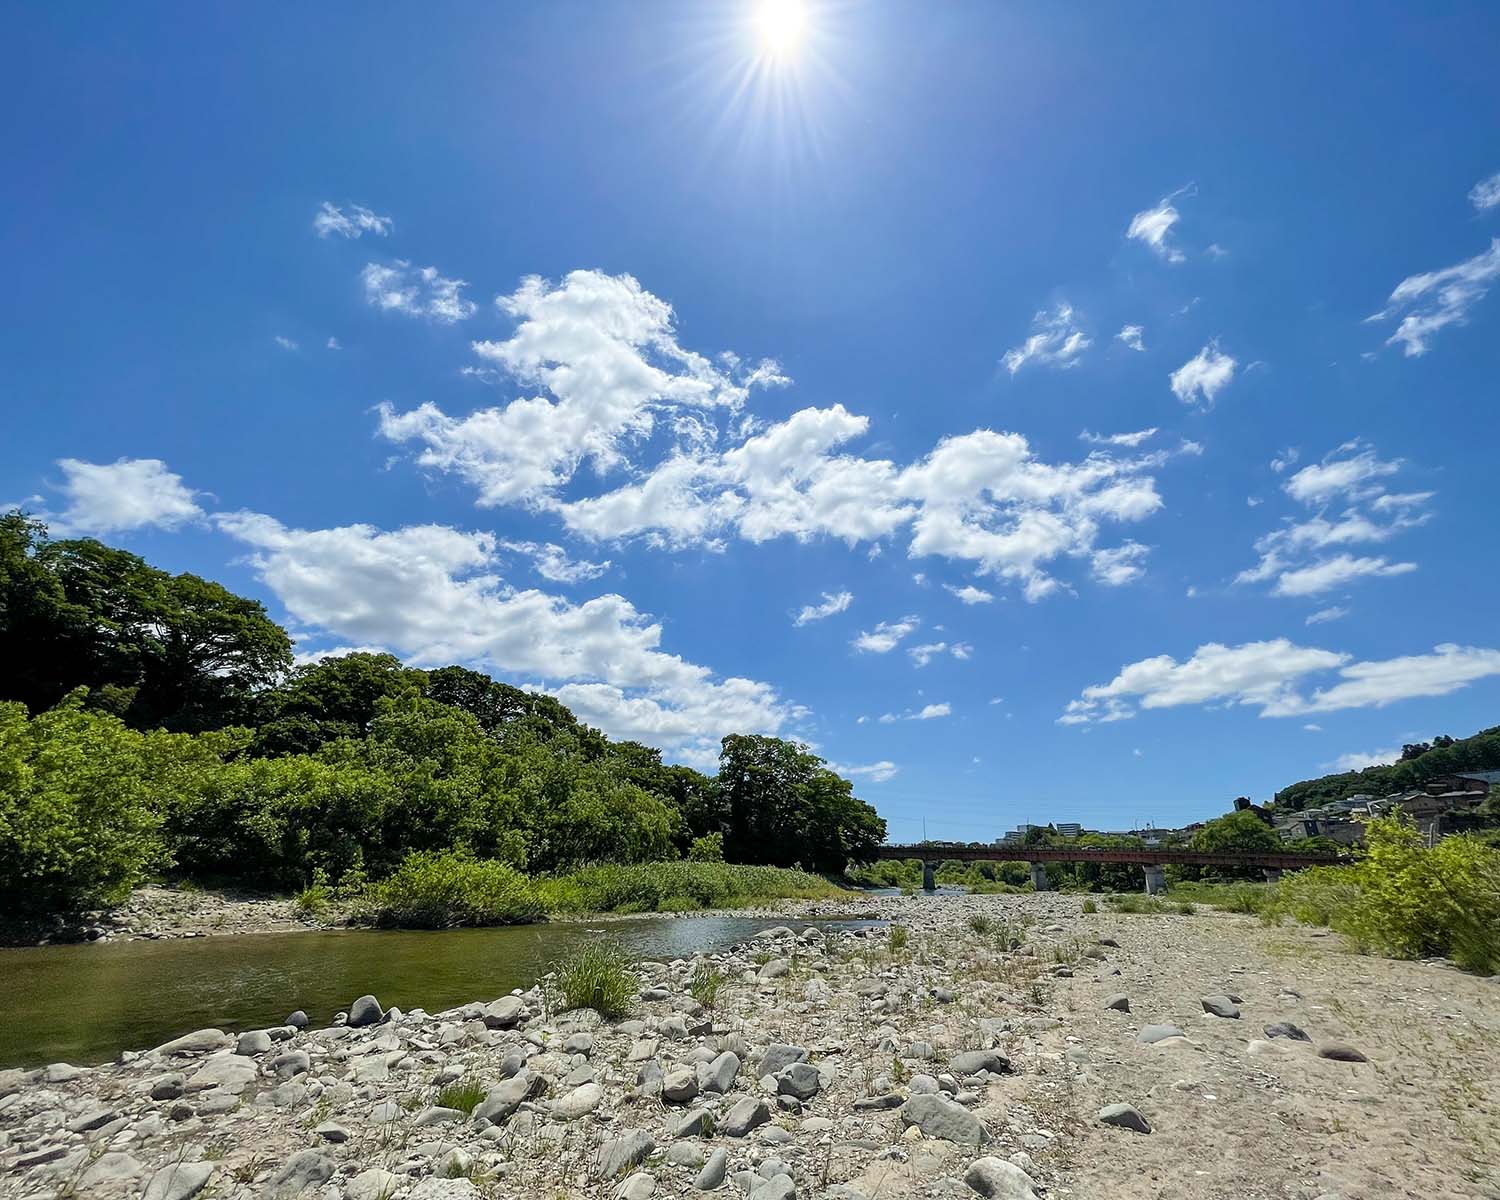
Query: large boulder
[747, 1114]
[778, 1055]
[179, 1181]
[303, 1170]
[971, 1062]
[1125, 1116]
[1000, 1180]
[623, 1153]
[938, 1117]
[365, 1011]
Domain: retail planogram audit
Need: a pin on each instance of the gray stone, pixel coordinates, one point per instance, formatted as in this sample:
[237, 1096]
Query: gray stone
[301, 1171]
[179, 1181]
[777, 1056]
[437, 1188]
[200, 1041]
[216, 1101]
[373, 1184]
[505, 1098]
[332, 1131]
[504, 1013]
[746, 1115]
[229, 1072]
[713, 1171]
[1119, 1002]
[774, 969]
[696, 1122]
[637, 1187]
[291, 1063]
[620, 1154]
[878, 1103]
[297, 1020]
[1125, 1116]
[971, 1062]
[1151, 1034]
[435, 1115]
[938, 1117]
[1340, 1052]
[253, 1042]
[365, 1011]
[91, 1119]
[778, 1187]
[1000, 1180]
[1285, 1029]
[719, 1076]
[1221, 1006]
[579, 1102]
[61, 1073]
[111, 1168]
[679, 1085]
[799, 1080]
[168, 1087]
[285, 1095]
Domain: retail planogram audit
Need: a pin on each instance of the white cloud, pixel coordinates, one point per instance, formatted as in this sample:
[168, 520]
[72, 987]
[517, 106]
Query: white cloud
[416, 292]
[1056, 341]
[1485, 194]
[1153, 227]
[1131, 440]
[1119, 565]
[1132, 336]
[1351, 477]
[833, 602]
[925, 653]
[1270, 676]
[1203, 376]
[308, 658]
[432, 594]
[886, 636]
[1335, 612]
[876, 772]
[1436, 299]
[285, 343]
[969, 594]
[1359, 760]
[127, 494]
[332, 344]
[1312, 728]
[551, 561]
[1334, 572]
[929, 712]
[350, 222]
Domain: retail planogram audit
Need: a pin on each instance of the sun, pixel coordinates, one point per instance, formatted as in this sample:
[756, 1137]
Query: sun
[781, 25]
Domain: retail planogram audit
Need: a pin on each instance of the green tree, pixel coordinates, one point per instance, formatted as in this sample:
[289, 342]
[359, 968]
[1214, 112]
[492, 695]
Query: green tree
[332, 699]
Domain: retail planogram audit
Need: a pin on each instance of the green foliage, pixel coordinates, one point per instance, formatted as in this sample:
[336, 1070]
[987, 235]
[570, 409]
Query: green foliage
[442, 891]
[645, 887]
[981, 923]
[900, 937]
[708, 848]
[1407, 900]
[1090, 907]
[597, 975]
[1419, 763]
[463, 1095]
[706, 983]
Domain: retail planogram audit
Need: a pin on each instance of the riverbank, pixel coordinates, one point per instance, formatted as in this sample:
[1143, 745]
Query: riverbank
[985, 1056]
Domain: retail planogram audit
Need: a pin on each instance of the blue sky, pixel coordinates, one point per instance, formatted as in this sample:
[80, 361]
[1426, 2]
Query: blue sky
[592, 344]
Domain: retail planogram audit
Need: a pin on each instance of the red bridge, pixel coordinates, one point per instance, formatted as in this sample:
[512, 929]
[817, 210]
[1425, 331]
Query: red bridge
[1273, 862]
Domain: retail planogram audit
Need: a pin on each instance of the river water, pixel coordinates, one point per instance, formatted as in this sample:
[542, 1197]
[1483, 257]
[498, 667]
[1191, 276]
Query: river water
[85, 1004]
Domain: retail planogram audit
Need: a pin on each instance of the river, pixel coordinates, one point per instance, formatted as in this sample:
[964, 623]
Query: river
[84, 1004]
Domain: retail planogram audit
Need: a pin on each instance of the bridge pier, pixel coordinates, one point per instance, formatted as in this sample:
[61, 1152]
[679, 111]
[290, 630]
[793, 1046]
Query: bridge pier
[1156, 879]
[929, 877]
[1273, 874]
[1038, 877]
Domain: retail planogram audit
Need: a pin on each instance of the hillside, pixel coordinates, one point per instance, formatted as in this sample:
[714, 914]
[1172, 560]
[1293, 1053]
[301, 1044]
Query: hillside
[1419, 763]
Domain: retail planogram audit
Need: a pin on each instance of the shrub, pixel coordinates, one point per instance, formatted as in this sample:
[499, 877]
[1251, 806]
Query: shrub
[981, 924]
[443, 891]
[648, 887]
[597, 975]
[899, 938]
[1090, 907]
[464, 1095]
[708, 848]
[705, 984]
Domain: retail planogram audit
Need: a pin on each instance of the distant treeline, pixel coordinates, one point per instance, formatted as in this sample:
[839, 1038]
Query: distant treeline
[155, 723]
[1419, 762]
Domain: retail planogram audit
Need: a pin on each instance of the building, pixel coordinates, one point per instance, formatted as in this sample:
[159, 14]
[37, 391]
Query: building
[1068, 829]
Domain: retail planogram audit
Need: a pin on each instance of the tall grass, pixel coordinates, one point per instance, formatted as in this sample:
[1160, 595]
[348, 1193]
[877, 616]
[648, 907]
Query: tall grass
[649, 887]
[597, 975]
[441, 891]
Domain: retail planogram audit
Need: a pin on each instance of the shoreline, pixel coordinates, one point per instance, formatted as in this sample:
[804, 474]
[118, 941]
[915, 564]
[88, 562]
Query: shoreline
[989, 1049]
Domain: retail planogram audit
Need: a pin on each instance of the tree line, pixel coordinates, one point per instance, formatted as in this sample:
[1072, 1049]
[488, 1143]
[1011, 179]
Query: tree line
[152, 723]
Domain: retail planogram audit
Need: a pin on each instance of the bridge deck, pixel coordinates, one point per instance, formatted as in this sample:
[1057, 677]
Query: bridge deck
[1274, 859]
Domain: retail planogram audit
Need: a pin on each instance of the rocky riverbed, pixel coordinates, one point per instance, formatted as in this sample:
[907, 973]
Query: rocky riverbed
[1014, 1047]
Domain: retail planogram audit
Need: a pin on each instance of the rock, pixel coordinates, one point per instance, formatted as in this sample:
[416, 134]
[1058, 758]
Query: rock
[713, 1171]
[301, 1171]
[1000, 1180]
[1125, 1116]
[435, 1115]
[579, 1102]
[1119, 1002]
[292, 1063]
[971, 1062]
[373, 1184]
[777, 1056]
[720, 1074]
[332, 1131]
[168, 1087]
[284, 1095]
[685, 1154]
[198, 1042]
[215, 1102]
[229, 1072]
[1221, 1006]
[620, 1154]
[504, 1013]
[778, 1187]
[938, 1117]
[61, 1073]
[1340, 1052]
[679, 1085]
[179, 1181]
[504, 1099]
[637, 1187]
[878, 1103]
[386, 1112]
[91, 1119]
[746, 1115]
[697, 1122]
[365, 1011]
[1285, 1029]
[297, 1020]
[1151, 1034]
[774, 969]
[655, 995]
[799, 1080]
[436, 1188]
[256, 1041]
[114, 1167]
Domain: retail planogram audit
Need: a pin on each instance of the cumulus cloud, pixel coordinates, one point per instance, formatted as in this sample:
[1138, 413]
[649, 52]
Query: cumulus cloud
[1430, 302]
[117, 497]
[876, 772]
[1306, 556]
[1360, 759]
[551, 561]
[1133, 336]
[969, 594]
[886, 636]
[433, 595]
[1273, 675]
[352, 221]
[1055, 341]
[1152, 227]
[833, 602]
[1485, 194]
[1130, 440]
[1204, 376]
[1119, 565]
[416, 292]
[925, 653]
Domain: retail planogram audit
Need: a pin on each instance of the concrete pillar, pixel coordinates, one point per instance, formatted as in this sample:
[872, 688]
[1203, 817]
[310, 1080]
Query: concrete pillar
[1273, 874]
[929, 877]
[1038, 877]
[1156, 880]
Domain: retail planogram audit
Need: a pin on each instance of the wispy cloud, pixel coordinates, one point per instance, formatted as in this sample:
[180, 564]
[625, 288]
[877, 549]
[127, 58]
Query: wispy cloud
[118, 497]
[416, 291]
[886, 636]
[969, 594]
[1434, 300]
[284, 343]
[1359, 760]
[1132, 440]
[1133, 336]
[1204, 376]
[876, 772]
[1485, 194]
[1153, 226]
[1055, 341]
[352, 221]
[925, 653]
[929, 712]
[833, 602]
[1334, 612]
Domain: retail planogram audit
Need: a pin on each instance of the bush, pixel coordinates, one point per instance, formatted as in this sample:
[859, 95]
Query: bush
[1406, 900]
[649, 887]
[705, 984]
[442, 891]
[708, 848]
[597, 975]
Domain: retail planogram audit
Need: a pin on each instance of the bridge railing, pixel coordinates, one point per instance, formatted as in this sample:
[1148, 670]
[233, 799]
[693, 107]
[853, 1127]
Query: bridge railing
[1272, 859]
